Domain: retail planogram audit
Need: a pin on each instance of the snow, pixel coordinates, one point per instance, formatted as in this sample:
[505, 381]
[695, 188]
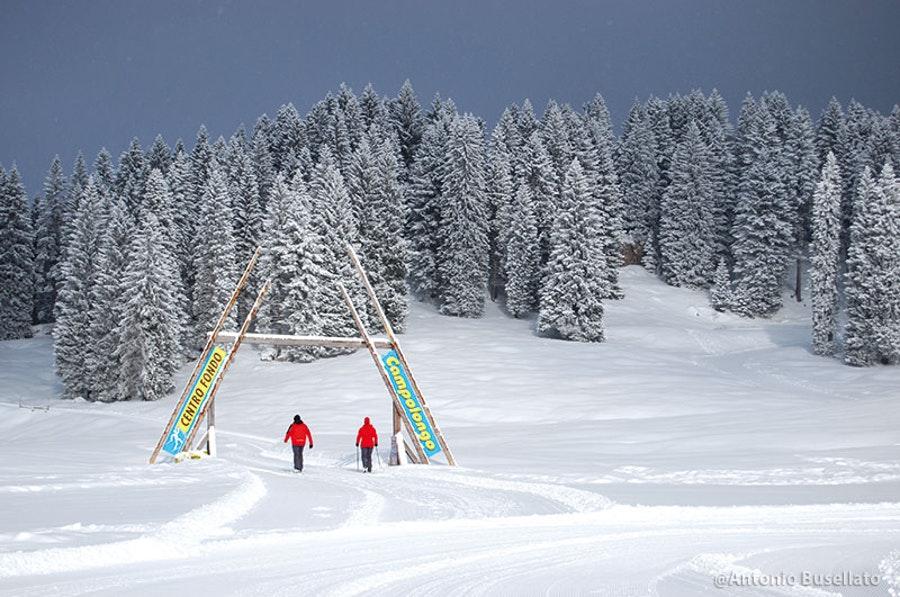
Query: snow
[689, 445]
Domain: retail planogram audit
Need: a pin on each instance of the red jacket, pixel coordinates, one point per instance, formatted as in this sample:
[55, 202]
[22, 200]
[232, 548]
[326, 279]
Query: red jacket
[299, 433]
[367, 437]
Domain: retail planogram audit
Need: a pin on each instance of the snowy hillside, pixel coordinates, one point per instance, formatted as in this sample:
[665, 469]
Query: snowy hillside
[689, 445]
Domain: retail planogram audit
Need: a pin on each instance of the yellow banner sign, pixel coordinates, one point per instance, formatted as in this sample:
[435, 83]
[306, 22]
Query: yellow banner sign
[187, 418]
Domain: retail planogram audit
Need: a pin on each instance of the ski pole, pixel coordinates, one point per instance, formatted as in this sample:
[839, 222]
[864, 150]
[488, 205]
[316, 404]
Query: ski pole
[377, 451]
[357, 458]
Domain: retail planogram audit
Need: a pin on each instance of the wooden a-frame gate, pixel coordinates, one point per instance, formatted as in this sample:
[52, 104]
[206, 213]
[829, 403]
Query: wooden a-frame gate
[410, 411]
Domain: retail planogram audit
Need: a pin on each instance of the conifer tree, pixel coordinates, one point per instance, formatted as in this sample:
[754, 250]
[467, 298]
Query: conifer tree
[869, 281]
[294, 260]
[131, 176]
[608, 197]
[201, 163]
[406, 116]
[830, 130]
[248, 216]
[657, 117]
[159, 156]
[351, 115]
[720, 294]
[338, 135]
[184, 220]
[462, 268]
[149, 351]
[825, 251]
[104, 172]
[372, 108]
[638, 178]
[77, 183]
[527, 121]
[555, 135]
[108, 295]
[686, 227]
[336, 225]
[522, 255]
[184, 215]
[383, 245]
[49, 241]
[540, 176]
[857, 129]
[803, 165]
[501, 191]
[34, 213]
[360, 178]
[262, 163]
[161, 202]
[425, 195]
[895, 133]
[158, 201]
[889, 340]
[214, 268]
[73, 305]
[286, 138]
[16, 259]
[761, 233]
[881, 239]
[570, 299]
[379, 208]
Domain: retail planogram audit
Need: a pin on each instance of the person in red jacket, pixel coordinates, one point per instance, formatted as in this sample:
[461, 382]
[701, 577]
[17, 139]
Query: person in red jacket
[366, 441]
[299, 434]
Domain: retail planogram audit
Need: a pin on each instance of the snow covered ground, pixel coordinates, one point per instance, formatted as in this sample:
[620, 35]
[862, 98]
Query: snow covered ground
[690, 449]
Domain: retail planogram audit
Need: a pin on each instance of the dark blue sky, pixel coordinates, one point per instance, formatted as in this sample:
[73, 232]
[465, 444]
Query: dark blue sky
[93, 73]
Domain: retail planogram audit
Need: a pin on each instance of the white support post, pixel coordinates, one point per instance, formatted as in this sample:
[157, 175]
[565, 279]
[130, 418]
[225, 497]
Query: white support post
[211, 430]
[398, 450]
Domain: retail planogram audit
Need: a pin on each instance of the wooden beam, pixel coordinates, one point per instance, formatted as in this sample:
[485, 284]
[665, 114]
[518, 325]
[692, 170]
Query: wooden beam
[231, 354]
[213, 336]
[395, 399]
[395, 344]
[288, 340]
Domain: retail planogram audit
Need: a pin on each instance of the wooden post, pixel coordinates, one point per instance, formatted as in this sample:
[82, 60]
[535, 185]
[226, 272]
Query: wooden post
[420, 453]
[242, 283]
[231, 354]
[389, 331]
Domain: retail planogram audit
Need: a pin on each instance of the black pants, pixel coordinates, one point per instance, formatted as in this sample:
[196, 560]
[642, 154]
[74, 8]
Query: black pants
[367, 458]
[298, 457]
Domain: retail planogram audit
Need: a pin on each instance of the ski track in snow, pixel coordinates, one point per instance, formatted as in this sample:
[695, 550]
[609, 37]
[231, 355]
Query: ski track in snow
[449, 485]
[173, 540]
[109, 481]
[829, 471]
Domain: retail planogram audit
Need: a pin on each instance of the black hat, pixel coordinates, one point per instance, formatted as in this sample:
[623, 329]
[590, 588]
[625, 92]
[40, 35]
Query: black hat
[297, 419]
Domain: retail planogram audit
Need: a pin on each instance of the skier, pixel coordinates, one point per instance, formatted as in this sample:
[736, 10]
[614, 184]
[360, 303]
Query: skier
[367, 440]
[299, 434]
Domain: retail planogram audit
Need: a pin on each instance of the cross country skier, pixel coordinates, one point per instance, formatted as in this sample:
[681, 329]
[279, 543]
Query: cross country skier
[367, 440]
[299, 434]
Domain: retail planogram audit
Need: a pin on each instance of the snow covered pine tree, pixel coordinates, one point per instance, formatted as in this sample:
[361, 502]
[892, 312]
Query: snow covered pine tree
[825, 250]
[571, 305]
[16, 259]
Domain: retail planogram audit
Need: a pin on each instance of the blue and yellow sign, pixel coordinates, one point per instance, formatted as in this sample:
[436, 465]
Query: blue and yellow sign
[411, 404]
[187, 416]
